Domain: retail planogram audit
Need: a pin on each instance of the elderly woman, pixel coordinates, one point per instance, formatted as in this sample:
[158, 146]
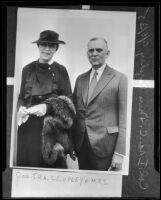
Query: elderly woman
[42, 82]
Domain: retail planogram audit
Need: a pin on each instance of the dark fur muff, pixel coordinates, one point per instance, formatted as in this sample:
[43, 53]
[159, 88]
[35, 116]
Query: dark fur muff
[56, 140]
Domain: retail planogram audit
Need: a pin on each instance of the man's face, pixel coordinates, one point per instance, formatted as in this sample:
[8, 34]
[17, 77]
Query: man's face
[97, 52]
[46, 51]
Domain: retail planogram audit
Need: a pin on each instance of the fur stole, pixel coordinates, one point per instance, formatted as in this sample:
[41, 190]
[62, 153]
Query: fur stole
[56, 138]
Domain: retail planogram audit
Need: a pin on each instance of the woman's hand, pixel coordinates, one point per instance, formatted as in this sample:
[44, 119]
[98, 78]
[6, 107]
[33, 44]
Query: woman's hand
[38, 110]
[22, 115]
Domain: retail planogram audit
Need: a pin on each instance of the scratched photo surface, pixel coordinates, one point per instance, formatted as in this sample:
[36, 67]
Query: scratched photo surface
[144, 49]
[76, 27]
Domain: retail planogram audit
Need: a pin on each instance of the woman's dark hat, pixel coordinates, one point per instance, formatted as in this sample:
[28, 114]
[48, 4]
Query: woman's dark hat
[49, 36]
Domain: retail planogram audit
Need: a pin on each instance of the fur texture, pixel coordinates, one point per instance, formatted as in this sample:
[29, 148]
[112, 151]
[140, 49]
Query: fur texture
[56, 139]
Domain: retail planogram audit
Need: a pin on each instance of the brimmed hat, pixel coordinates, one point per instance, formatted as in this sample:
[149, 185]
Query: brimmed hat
[49, 37]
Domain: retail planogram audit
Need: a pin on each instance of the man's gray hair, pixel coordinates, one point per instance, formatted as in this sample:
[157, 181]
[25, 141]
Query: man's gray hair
[98, 38]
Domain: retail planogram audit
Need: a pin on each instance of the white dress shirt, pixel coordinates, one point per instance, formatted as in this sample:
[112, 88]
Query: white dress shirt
[99, 72]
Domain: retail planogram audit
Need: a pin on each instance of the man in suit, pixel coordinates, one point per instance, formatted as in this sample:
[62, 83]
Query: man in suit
[100, 97]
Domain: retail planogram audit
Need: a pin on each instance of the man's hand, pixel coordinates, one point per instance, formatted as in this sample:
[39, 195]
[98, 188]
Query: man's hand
[117, 162]
[38, 110]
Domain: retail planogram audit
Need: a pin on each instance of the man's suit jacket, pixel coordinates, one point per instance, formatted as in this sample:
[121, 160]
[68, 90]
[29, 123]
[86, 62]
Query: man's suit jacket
[104, 117]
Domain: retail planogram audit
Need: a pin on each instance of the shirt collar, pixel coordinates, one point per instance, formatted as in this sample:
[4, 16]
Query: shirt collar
[99, 71]
[50, 62]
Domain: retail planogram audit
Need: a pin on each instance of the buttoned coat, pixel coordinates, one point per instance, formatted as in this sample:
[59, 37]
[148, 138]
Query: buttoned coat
[104, 117]
[60, 83]
[29, 138]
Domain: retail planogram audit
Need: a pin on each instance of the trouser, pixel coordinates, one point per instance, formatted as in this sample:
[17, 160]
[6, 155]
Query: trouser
[87, 160]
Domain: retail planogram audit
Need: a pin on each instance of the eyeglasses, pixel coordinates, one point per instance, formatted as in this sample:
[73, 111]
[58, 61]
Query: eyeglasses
[99, 50]
[50, 45]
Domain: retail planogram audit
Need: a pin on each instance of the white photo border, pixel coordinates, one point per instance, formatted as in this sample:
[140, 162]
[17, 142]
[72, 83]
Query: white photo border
[76, 27]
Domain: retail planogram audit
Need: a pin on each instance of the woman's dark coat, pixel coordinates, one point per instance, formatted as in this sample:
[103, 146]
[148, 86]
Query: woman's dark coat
[39, 82]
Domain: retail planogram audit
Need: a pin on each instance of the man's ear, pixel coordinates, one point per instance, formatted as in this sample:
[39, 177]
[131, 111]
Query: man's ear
[108, 52]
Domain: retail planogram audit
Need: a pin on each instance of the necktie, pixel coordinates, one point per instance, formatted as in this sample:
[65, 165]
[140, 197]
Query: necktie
[92, 85]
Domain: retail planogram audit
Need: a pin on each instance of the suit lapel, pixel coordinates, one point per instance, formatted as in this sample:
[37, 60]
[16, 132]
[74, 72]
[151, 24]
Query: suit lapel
[105, 78]
[85, 86]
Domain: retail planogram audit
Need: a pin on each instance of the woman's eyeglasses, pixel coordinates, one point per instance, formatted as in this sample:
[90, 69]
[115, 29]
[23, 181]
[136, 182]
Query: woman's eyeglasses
[50, 45]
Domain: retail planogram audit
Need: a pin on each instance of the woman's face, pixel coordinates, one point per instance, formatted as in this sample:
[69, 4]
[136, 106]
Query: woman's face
[46, 51]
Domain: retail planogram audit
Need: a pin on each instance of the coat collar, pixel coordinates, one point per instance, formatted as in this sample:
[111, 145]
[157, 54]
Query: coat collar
[85, 86]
